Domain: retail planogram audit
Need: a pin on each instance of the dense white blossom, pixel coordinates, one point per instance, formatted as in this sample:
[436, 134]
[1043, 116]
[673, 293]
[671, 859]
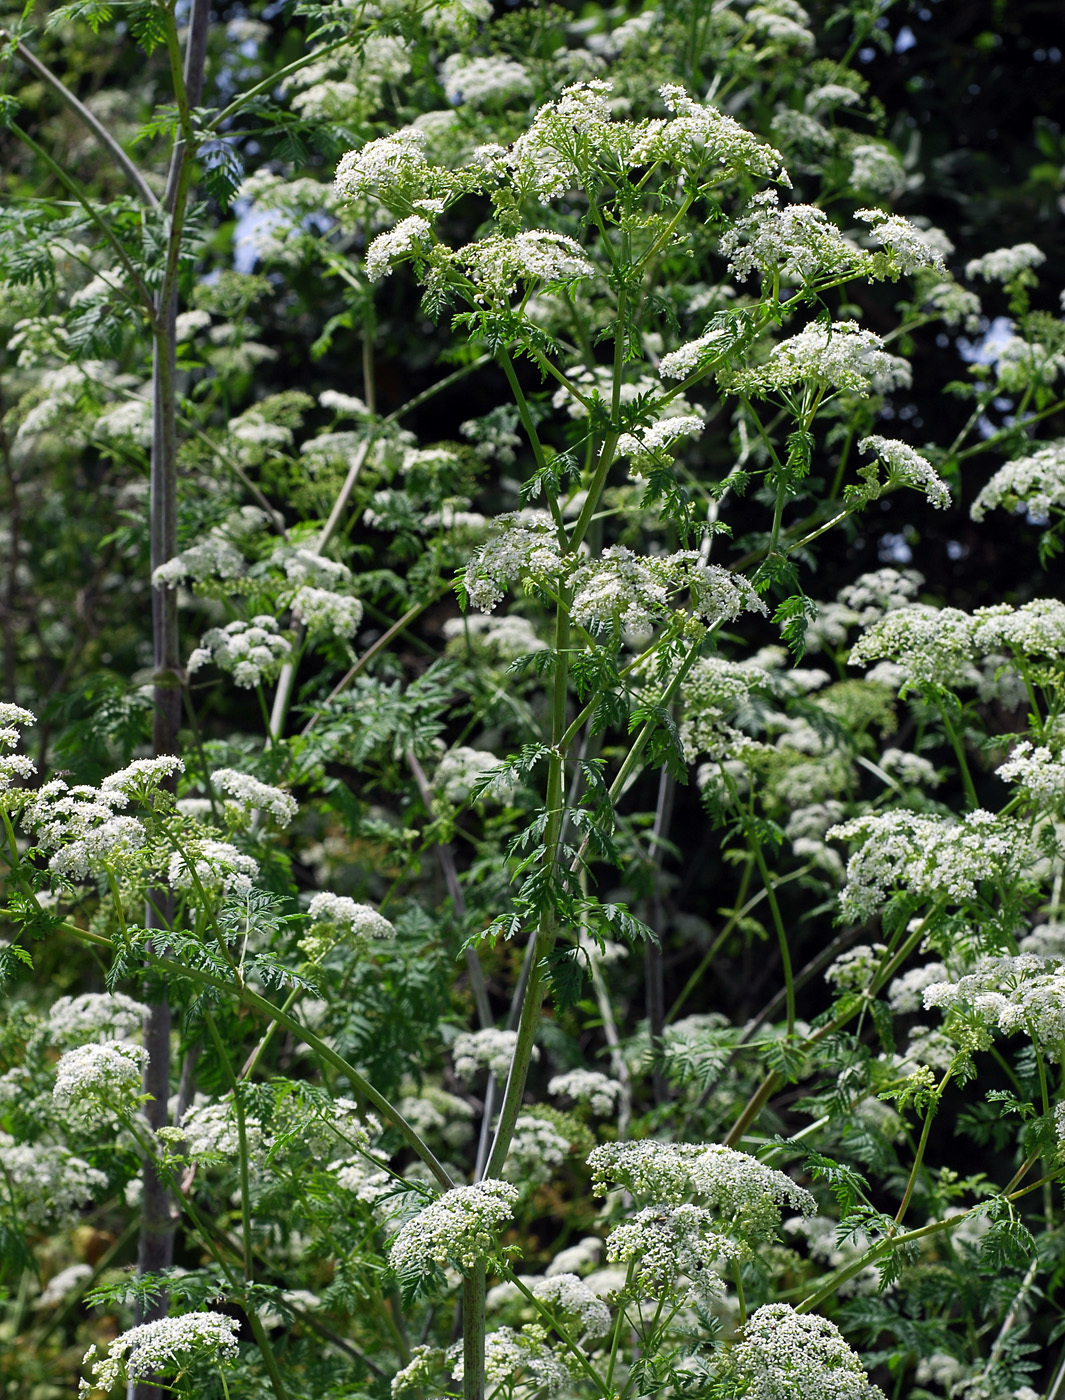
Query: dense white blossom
[524, 545]
[516, 1358]
[249, 795]
[344, 405]
[113, 844]
[909, 768]
[1036, 481]
[213, 557]
[142, 775]
[598, 1091]
[931, 857]
[633, 591]
[503, 637]
[905, 994]
[954, 305]
[798, 242]
[1025, 993]
[840, 356]
[159, 1348]
[93, 1080]
[1037, 770]
[58, 813]
[212, 865]
[458, 1228]
[391, 164]
[498, 266]
[62, 1284]
[536, 1151]
[932, 645]
[785, 1354]
[707, 348]
[1003, 264]
[875, 168]
[487, 1049]
[459, 770]
[395, 243]
[251, 652]
[335, 918]
[746, 1195]
[1036, 628]
[907, 467]
[783, 22]
[908, 245]
[714, 690]
[853, 969]
[647, 442]
[112, 1015]
[872, 595]
[700, 135]
[44, 1182]
[667, 1241]
[482, 82]
[566, 1293]
[585, 1254]
[321, 610]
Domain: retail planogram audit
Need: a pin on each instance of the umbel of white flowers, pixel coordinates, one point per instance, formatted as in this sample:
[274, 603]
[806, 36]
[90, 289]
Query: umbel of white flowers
[157, 1348]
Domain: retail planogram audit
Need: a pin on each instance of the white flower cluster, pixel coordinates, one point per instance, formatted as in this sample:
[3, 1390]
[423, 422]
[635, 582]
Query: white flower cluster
[390, 247]
[393, 164]
[483, 82]
[93, 1080]
[841, 356]
[853, 970]
[488, 1049]
[212, 865]
[79, 824]
[250, 651]
[43, 1182]
[905, 994]
[1036, 628]
[499, 266]
[14, 767]
[512, 1358]
[633, 591]
[1036, 770]
[907, 467]
[524, 545]
[910, 769]
[700, 353]
[954, 305]
[458, 770]
[584, 1254]
[1036, 481]
[62, 1284]
[321, 610]
[598, 1091]
[248, 795]
[536, 1150]
[669, 1241]
[746, 1194]
[157, 1348]
[502, 637]
[785, 1354]
[142, 776]
[874, 168]
[567, 1293]
[797, 242]
[714, 690]
[872, 595]
[110, 1014]
[1022, 363]
[1023, 993]
[336, 918]
[701, 135]
[909, 247]
[647, 442]
[782, 21]
[459, 1228]
[1005, 263]
[929, 857]
[343, 405]
[214, 557]
[931, 645]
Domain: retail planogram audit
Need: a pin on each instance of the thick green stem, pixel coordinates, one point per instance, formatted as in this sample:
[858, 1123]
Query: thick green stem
[473, 1334]
[919, 1155]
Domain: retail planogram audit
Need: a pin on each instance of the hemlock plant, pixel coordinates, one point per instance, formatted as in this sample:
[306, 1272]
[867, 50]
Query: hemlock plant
[411, 1073]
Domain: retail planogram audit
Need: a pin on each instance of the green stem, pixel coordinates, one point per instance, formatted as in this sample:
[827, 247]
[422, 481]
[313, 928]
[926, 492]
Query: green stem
[778, 924]
[473, 1292]
[959, 752]
[919, 1156]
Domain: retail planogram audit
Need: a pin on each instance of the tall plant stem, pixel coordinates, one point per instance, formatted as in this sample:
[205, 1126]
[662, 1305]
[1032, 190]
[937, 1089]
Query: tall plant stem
[959, 753]
[919, 1155]
[473, 1292]
[778, 924]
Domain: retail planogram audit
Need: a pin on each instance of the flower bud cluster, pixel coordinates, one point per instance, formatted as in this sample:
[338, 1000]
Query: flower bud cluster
[458, 1228]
